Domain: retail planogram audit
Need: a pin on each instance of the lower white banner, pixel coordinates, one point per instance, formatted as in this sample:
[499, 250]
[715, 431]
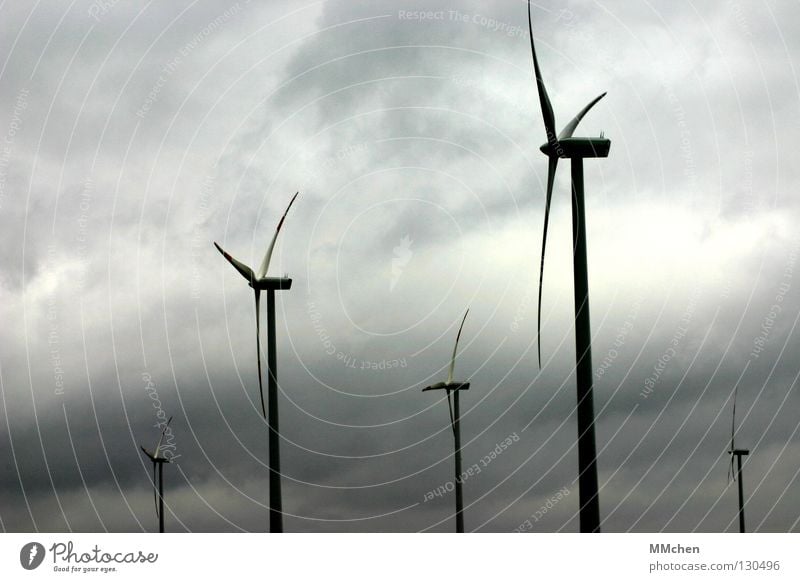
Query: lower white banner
[355, 557]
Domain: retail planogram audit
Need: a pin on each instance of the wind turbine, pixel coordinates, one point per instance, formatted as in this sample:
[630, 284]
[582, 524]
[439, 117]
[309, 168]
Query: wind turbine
[737, 454]
[576, 149]
[260, 282]
[158, 477]
[455, 423]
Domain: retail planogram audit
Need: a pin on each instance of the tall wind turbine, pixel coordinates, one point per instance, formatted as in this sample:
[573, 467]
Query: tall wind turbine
[455, 423]
[158, 476]
[736, 475]
[576, 149]
[260, 282]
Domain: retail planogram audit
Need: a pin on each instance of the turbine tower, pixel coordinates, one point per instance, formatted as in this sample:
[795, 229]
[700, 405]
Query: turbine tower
[158, 477]
[737, 454]
[260, 282]
[576, 149]
[455, 423]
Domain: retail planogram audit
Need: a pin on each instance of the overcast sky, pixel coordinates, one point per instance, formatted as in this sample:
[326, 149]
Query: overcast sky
[134, 134]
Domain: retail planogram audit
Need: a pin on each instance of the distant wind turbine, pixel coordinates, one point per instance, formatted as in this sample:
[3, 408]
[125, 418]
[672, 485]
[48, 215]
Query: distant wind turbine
[158, 476]
[736, 475]
[565, 146]
[455, 423]
[260, 282]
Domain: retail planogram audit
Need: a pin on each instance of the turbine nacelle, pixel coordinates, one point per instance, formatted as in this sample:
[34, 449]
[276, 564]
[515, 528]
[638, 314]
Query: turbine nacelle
[446, 386]
[154, 458]
[274, 283]
[578, 147]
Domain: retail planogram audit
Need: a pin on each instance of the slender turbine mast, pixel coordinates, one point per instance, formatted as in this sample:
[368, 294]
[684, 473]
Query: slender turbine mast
[737, 454]
[260, 282]
[158, 476]
[455, 423]
[576, 149]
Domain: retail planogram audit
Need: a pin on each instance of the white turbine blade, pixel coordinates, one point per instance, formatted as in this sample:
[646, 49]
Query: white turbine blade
[262, 271]
[547, 109]
[455, 348]
[551, 175]
[246, 271]
[569, 129]
[161, 438]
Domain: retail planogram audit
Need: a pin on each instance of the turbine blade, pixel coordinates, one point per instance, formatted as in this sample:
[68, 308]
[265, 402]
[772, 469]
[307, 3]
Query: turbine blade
[450, 409]
[455, 348]
[569, 129]
[544, 100]
[258, 351]
[733, 417]
[551, 174]
[262, 271]
[731, 472]
[161, 438]
[155, 491]
[246, 271]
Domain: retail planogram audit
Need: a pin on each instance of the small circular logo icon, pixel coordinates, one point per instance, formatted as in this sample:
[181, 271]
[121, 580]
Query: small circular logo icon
[31, 555]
